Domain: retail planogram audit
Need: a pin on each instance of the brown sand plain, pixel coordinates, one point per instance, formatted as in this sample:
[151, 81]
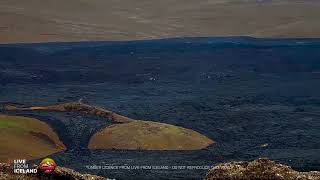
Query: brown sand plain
[96, 20]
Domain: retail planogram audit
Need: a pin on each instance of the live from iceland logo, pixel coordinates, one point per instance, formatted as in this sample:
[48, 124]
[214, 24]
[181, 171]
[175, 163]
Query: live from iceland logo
[20, 166]
[47, 165]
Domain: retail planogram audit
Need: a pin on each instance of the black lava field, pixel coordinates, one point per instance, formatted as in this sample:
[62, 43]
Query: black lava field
[253, 97]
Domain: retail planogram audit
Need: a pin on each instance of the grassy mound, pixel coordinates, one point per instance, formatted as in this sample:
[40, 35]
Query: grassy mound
[147, 135]
[26, 138]
[130, 133]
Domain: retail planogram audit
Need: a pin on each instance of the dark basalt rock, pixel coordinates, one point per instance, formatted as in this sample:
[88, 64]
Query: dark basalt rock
[262, 168]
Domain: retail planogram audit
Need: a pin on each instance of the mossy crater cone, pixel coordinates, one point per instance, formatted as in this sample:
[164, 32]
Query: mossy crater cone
[26, 138]
[148, 135]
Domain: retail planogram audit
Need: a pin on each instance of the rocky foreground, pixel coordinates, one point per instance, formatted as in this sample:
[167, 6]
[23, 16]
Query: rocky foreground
[6, 172]
[258, 169]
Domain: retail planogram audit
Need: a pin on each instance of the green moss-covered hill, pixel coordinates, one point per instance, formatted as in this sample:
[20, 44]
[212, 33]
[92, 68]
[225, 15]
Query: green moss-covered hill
[26, 138]
[148, 135]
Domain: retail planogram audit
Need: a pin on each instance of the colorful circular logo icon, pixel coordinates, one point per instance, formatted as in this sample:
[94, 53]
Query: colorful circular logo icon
[47, 165]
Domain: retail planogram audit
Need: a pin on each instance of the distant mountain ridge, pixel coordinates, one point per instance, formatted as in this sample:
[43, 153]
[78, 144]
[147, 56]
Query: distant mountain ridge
[94, 20]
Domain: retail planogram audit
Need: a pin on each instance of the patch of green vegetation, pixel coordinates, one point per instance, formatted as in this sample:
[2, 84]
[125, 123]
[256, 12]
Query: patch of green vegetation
[9, 124]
